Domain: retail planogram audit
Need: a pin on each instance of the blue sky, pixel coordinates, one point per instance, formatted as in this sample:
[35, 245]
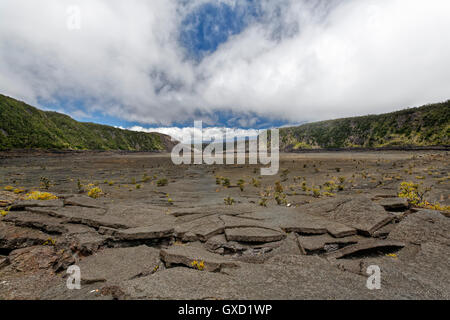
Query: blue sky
[231, 63]
[211, 24]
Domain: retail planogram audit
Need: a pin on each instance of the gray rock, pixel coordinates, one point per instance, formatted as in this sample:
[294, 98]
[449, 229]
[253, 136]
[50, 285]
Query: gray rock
[4, 261]
[186, 255]
[296, 220]
[421, 227]
[83, 201]
[108, 231]
[22, 204]
[359, 213]
[31, 220]
[383, 232]
[339, 230]
[394, 203]
[252, 252]
[57, 290]
[220, 244]
[179, 283]
[200, 229]
[424, 276]
[137, 215]
[93, 217]
[362, 246]
[115, 216]
[305, 223]
[145, 233]
[253, 235]
[13, 237]
[86, 243]
[241, 222]
[300, 277]
[33, 258]
[236, 209]
[281, 277]
[311, 244]
[119, 264]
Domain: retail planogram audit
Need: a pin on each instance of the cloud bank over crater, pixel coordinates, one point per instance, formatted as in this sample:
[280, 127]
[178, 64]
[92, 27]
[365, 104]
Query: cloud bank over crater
[164, 62]
[188, 134]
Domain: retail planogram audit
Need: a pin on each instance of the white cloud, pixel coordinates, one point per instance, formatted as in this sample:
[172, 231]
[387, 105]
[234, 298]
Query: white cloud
[187, 134]
[310, 61]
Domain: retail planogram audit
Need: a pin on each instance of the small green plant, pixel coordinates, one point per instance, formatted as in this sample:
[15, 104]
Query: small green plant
[263, 202]
[4, 213]
[199, 265]
[162, 182]
[145, 178]
[19, 190]
[138, 186]
[80, 186]
[284, 174]
[330, 186]
[45, 183]
[226, 182]
[278, 187]
[49, 242]
[229, 201]
[38, 195]
[280, 198]
[256, 183]
[304, 187]
[95, 192]
[316, 192]
[108, 182]
[241, 184]
[415, 194]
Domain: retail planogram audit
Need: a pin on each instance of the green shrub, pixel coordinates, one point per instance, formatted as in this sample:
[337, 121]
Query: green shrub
[162, 182]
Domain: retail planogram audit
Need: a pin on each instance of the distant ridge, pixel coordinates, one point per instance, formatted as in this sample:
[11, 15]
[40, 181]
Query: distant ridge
[25, 127]
[424, 126]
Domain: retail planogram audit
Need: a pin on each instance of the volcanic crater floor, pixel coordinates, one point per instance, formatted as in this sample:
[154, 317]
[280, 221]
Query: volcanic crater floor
[161, 231]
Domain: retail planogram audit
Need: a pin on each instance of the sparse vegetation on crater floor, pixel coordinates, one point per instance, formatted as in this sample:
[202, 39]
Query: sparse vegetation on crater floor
[165, 239]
